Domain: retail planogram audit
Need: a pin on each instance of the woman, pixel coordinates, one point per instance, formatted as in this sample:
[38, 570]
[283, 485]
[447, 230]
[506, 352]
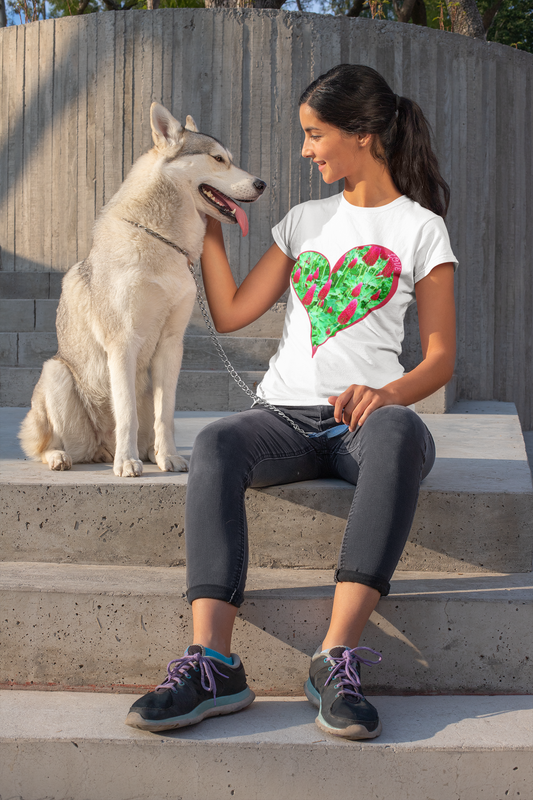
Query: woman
[353, 263]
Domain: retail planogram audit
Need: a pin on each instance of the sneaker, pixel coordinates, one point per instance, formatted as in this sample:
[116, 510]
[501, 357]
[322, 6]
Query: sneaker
[197, 686]
[334, 687]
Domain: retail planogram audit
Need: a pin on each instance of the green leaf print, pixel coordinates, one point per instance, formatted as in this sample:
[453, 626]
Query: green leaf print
[363, 279]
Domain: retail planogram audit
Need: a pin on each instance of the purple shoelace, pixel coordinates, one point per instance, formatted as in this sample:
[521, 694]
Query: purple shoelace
[345, 670]
[179, 668]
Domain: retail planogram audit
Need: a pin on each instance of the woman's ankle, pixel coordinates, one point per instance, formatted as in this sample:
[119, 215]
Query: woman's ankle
[213, 624]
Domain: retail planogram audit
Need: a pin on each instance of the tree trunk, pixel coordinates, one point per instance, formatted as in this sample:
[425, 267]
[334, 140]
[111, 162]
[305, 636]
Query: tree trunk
[356, 8]
[405, 11]
[3, 15]
[490, 13]
[466, 18]
[420, 16]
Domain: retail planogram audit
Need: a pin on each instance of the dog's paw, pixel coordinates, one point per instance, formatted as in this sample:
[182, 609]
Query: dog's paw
[173, 463]
[58, 460]
[130, 468]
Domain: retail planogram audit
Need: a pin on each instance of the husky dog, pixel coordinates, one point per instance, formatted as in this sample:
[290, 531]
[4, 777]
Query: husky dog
[109, 393]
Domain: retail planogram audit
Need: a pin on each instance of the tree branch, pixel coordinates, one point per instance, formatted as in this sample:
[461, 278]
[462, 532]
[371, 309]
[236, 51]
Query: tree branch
[356, 8]
[490, 13]
[82, 6]
[420, 16]
[466, 18]
[405, 12]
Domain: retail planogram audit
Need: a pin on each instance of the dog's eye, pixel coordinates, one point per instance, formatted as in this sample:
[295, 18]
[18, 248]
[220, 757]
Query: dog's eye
[219, 159]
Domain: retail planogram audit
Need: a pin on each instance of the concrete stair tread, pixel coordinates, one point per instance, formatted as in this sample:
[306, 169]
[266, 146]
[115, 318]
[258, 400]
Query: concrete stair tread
[116, 627]
[475, 453]
[279, 583]
[474, 511]
[32, 348]
[409, 722]
[479, 747]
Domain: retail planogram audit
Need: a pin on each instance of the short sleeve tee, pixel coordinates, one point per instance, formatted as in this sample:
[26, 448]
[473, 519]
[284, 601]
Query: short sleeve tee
[353, 279]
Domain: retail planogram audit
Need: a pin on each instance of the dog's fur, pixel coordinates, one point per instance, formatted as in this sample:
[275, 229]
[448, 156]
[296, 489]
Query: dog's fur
[109, 393]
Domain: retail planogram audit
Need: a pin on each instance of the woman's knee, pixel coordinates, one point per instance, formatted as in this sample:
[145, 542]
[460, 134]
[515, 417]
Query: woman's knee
[396, 428]
[221, 444]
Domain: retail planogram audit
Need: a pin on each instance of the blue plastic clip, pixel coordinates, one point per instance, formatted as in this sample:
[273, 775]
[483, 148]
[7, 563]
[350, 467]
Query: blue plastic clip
[330, 433]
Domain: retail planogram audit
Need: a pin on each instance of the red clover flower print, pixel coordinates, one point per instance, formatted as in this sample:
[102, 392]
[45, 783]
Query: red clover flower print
[363, 280]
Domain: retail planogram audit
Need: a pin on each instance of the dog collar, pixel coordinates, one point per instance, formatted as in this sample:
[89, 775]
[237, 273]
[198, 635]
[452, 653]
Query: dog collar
[161, 238]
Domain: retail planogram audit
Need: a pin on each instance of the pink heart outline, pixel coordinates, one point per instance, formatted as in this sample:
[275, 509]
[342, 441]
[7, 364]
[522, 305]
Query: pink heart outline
[395, 274]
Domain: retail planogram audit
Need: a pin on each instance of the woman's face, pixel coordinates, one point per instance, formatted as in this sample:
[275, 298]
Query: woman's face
[336, 154]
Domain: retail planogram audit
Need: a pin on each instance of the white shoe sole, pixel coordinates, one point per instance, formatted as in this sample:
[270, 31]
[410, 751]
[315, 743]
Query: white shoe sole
[206, 709]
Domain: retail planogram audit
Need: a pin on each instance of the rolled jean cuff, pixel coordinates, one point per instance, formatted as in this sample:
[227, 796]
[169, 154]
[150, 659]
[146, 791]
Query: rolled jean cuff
[213, 592]
[350, 576]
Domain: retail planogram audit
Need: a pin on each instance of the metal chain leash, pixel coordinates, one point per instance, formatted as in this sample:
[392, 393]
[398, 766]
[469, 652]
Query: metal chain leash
[216, 341]
[227, 363]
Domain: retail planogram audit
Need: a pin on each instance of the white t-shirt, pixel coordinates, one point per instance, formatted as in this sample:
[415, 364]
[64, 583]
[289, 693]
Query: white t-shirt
[350, 287]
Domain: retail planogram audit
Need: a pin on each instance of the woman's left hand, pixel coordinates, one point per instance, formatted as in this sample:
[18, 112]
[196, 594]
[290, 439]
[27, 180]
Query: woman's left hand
[436, 319]
[356, 403]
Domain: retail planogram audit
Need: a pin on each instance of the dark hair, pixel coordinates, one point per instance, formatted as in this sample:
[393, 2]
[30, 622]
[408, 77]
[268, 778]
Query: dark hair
[357, 99]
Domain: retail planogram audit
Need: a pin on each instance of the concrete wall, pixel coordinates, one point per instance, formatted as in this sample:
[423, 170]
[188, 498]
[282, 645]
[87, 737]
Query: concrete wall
[74, 100]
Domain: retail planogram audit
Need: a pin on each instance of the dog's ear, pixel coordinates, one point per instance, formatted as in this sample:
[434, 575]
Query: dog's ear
[166, 131]
[190, 124]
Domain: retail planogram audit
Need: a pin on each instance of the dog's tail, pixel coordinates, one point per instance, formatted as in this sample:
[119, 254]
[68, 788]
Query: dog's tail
[35, 432]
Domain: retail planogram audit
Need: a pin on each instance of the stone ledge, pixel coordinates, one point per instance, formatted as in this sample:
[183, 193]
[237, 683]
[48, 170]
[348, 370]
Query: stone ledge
[468, 747]
[112, 627]
[474, 512]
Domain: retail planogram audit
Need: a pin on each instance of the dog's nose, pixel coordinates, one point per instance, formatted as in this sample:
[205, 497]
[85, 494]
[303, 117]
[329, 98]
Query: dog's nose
[259, 185]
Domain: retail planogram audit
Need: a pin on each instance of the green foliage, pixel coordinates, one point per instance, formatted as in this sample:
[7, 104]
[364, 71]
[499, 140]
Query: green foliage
[364, 278]
[181, 4]
[27, 10]
[513, 24]
[66, 8]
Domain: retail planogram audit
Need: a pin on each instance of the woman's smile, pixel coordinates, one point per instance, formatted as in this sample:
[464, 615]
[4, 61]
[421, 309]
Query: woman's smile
[335, 153]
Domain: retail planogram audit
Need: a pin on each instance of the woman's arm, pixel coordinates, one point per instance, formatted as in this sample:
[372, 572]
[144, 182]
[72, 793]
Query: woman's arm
[234, 307]
[436, 319]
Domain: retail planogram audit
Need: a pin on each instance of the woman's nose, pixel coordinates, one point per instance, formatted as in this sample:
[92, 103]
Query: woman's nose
[307, 151]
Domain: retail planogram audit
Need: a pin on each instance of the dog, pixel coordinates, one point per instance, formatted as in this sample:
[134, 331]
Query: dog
[109, 393]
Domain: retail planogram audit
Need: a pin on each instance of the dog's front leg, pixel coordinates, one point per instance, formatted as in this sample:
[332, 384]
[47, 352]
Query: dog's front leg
[122, 361]
[166, 366]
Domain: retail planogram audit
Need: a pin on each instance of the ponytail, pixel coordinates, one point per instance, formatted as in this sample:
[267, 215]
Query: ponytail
[357, 99]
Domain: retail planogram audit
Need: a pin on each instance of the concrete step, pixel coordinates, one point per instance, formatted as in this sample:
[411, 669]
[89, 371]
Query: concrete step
[69, 745]
[246, 353]
[30, 285]
[38, 312]
[198, 390]
[28, 315]
[76, 626]
[474, 512]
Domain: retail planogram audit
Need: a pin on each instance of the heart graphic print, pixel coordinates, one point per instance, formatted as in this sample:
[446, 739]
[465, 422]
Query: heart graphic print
[363, 280]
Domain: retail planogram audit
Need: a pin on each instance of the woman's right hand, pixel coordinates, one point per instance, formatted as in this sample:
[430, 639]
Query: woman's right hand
[235, 307]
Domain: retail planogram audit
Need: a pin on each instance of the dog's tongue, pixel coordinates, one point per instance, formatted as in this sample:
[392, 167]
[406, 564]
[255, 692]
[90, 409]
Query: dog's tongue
[240, 215]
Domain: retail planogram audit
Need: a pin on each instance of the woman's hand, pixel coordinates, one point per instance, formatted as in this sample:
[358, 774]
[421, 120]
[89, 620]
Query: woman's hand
[356, 403]
[436, 321]
[235, 307]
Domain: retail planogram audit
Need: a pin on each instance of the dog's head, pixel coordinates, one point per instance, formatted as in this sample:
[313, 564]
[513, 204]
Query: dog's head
[216, 183]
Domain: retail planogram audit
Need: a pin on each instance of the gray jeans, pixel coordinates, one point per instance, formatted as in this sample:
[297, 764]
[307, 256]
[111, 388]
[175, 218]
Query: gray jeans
[385, 459]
